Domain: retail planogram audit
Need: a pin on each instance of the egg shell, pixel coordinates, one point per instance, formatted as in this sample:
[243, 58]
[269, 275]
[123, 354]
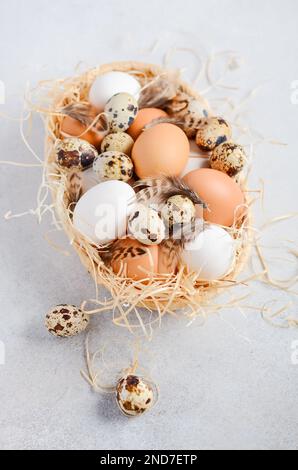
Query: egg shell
[144, 117]
[109, 84]
[101, 213]
[119, 141]
[75, 153]
[211, 253]
[66, 320]
[121, 111]
[222, 195]
[134, 395]
[146, 225]
[113, 165]
[134, 260]
[211, 132]
[178, 210]
[228, 157]
[74, 128]
[160, 150]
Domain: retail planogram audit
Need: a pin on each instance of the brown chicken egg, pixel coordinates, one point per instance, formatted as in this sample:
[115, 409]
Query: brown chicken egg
[221, 193]
[144, 117]
[71, 127]
[132, 259]
[160, 150]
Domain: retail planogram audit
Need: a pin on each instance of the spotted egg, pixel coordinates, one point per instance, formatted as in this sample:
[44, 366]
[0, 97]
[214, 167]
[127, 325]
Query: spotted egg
[113, 165]
[134, 395]
[121, 111]
[228, 157]
[66, 320]
[178, 210]
[212, 132]
[74, 153]
[119, 141]
[196, 110]
[146, 225]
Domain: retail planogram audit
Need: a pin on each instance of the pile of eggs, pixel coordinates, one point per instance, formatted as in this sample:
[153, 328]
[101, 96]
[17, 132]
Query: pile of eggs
[142, 144]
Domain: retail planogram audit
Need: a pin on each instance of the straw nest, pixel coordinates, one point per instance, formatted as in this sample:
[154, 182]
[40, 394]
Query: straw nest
[163, 294]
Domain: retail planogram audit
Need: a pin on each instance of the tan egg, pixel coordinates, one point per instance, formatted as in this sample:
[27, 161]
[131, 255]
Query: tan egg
[144, 117]
[222, 195]
[119, 141]
[74, 128]
[228, 157]
[212, 132]
[133, 260]
[160, 150]
[134, 395]
[66, 320]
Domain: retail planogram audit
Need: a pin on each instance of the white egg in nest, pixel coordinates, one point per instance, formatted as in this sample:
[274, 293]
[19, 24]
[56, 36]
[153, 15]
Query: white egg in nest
[211, 253]
[109, 84]
[102, 212]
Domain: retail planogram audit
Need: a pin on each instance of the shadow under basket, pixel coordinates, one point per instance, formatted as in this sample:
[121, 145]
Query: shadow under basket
[163, 294]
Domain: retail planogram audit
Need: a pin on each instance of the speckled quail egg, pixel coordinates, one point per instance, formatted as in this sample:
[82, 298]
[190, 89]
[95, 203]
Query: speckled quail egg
[66, 320]
[74, 153]
[113, 165]
[119, 141]
[178, 210]
[212, 132]
[228, 157]
[194, 114]
[121, 111]
[146, 226]
[134, 395]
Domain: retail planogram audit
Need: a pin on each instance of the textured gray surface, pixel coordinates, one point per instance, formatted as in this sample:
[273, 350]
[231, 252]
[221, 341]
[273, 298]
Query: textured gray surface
[228, 384]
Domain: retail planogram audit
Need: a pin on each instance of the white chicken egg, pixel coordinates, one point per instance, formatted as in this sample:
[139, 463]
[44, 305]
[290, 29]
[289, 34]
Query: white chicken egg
[101, 213]
[111, 83]
[211, 253]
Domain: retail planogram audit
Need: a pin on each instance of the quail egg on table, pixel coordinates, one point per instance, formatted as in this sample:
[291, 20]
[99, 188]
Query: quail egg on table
[66, 320]
[119, 141]
[134, 395]
[146, 225]
[121, 111]
[212, 132]
[113, 165]
[74, 153]
[228, 157]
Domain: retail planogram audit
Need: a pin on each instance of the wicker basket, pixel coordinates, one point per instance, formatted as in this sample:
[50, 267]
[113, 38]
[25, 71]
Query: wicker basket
[164, 295]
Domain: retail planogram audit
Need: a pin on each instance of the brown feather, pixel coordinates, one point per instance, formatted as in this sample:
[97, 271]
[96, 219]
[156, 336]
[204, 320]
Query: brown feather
[74, 188]
[159, 190]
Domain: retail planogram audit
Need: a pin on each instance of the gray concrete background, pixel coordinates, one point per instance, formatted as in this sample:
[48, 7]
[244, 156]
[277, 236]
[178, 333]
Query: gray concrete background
[229, 384]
